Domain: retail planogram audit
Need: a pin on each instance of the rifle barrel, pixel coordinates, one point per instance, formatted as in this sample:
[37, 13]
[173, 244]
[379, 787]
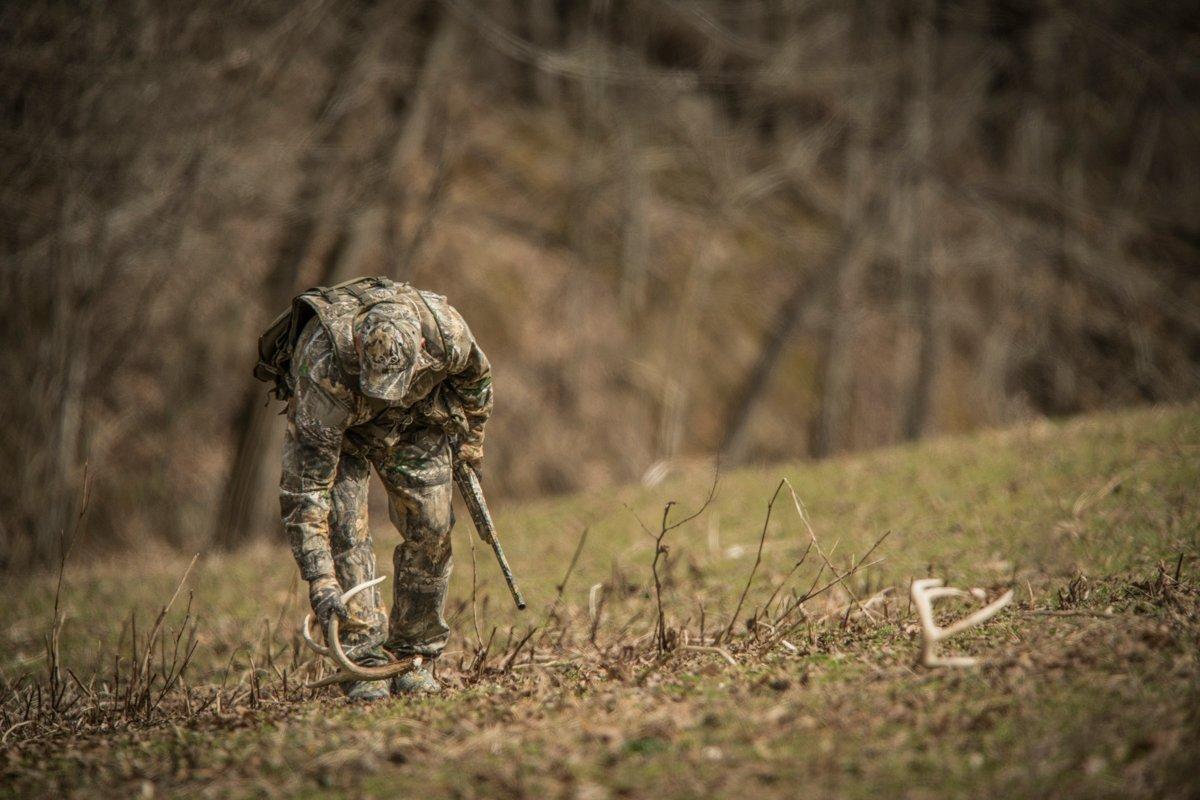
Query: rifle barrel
[472, 494]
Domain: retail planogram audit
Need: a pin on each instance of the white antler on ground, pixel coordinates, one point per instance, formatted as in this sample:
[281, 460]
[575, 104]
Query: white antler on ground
[924, 592]
[348, 670]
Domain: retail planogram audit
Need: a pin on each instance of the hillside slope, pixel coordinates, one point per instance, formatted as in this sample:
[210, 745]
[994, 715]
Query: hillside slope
[1088, 688]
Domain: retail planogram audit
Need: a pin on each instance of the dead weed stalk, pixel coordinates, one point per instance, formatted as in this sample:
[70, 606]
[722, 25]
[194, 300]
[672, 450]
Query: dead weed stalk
[146, 680]
[623, 650]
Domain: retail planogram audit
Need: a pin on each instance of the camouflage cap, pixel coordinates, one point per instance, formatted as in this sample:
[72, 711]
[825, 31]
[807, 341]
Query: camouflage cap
[387, 338]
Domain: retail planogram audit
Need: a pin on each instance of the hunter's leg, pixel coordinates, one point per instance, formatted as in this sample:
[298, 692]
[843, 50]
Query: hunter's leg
[354, 558]
[416, 473]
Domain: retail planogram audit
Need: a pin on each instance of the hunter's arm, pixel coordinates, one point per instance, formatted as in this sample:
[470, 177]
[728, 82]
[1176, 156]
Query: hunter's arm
[318, 415]
[472, 382]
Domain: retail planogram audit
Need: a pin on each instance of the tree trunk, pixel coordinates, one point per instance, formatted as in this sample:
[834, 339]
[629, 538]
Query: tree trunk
[757, 381]
[242, 501]
[918, 241]
[835, 368]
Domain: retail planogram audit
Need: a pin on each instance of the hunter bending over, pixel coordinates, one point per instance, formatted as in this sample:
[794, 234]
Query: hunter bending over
[376, 373]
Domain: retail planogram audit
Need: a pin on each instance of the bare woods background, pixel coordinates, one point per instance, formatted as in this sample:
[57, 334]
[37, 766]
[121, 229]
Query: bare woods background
[773, 228]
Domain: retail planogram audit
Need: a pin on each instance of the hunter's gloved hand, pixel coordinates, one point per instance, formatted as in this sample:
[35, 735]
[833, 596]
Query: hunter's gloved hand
[470, 454]
[326, 601]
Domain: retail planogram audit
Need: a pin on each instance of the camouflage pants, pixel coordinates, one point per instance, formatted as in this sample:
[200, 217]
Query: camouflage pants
[416, 472]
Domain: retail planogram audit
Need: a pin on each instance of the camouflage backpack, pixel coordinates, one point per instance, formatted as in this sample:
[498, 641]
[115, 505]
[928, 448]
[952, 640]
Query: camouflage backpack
[337, 308]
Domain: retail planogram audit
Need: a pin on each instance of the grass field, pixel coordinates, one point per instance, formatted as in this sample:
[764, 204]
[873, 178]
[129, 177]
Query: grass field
[1089, 687]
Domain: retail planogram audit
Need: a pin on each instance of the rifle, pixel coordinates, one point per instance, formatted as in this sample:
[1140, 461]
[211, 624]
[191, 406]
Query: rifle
[472, 494]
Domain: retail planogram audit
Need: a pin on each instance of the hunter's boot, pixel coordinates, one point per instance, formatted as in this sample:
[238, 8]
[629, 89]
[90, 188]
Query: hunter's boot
[367, 691]
[419, 680]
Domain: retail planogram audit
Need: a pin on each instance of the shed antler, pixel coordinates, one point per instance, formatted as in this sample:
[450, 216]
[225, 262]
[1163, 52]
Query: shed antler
[348, 670]
[924, 592]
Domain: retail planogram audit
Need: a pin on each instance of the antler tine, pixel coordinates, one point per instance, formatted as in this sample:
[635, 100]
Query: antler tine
[353, 590]
[308, 640]
[349, 671]
[982, 615]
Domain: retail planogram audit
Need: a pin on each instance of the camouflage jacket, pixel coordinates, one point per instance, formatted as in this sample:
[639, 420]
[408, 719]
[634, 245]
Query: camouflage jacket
[448, 386]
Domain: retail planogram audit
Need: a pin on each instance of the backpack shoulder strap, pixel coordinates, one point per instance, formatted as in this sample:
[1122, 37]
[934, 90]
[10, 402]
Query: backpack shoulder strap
[426, 298]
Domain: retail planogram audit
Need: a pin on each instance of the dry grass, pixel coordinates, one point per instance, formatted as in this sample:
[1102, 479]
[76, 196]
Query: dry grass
[732, 649]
